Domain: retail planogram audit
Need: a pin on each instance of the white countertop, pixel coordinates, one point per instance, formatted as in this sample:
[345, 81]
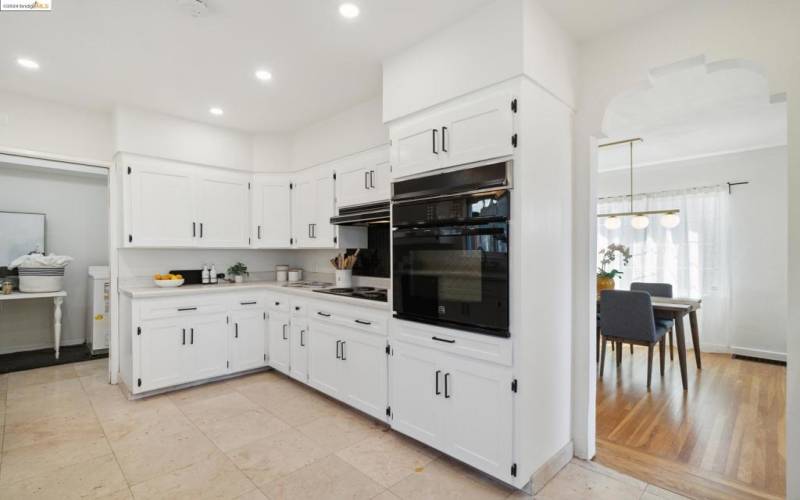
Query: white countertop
[142, 292]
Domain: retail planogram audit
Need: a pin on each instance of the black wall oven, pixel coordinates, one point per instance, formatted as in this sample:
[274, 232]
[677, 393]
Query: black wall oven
[450, 261]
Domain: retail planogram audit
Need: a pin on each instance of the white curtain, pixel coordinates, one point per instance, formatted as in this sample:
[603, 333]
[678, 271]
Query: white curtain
[693, 256]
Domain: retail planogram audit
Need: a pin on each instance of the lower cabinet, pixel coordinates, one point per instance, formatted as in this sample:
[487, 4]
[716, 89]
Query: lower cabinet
[349, 365]
[299, 350]
[279, 341]
[181, 349]
[460, 406]
[248, 340]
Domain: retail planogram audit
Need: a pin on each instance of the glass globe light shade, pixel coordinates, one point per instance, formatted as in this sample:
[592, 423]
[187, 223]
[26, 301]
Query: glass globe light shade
[612, 223]
[670, 220]
[640, 222]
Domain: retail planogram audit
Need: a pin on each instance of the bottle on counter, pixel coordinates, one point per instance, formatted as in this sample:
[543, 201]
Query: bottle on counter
[213, 275]
[205, 275]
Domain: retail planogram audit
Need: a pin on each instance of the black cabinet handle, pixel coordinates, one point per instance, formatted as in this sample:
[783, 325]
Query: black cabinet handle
[183, 342]
[277, 303]
[201, 229]
[284, 333]
[194, 229]
[362, 322]
[372, 179]
[438, 372]
[259, 231]
[366, 180]
[309, 230]
[433, 140]
[324, 315]
[296, 308]
[191, 341]
[449, 341]
[444, 139]
[181, 309]
[313, 230]
[343, 357]
[236, 327]
[338, 343]
[446, 392]
[302, 341]
[252, 302]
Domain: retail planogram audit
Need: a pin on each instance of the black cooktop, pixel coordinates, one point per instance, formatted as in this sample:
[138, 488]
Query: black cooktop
[358, 292]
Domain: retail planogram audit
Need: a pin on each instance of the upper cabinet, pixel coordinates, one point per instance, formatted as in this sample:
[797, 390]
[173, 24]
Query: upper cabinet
[169, 204]
[477, 129]
[271, 214]
[313, 205]
[363, 178]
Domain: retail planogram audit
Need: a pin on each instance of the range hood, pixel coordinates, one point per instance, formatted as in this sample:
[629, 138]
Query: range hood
[363, 215]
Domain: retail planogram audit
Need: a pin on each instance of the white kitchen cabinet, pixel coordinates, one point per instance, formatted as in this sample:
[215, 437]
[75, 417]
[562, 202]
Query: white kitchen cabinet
[248, 339]
[158, 208]
[458, 405]
[365, 373]
[271, 214]
[162, 354]
[324, 359]
[279, 341]
[299, 350]
[323, 233]
[303, 203]
[208, 345]
[363, 178]
[223, 209]
[472, 130]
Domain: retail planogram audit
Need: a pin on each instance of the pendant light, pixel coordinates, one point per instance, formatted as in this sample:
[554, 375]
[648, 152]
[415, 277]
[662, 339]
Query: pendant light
[639, 220]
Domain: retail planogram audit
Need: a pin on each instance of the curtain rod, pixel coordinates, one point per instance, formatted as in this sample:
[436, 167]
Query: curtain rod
[624, 141]
[695, 188]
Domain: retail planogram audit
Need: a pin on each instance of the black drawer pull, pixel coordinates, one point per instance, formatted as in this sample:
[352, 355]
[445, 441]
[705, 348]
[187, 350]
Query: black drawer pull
[362, 322]
[248, 303]
[181, 309]
[284, 333]
[192, 336]
[277, 303]
[343, 357]
[449, 341]
[183, 342]
[237, 329]
[338, 343]
[324, 315]
[296, 308]
[438, 372]
[446, 392]
[302, 342]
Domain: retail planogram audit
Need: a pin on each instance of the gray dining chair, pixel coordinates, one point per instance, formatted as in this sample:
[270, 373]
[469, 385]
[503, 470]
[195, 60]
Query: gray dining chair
[659, 290]
[628, 318]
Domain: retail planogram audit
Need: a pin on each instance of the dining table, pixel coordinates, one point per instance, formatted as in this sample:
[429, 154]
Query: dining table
[678, 309]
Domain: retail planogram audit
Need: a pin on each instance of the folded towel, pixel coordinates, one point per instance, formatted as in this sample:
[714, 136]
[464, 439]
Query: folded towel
[41, 260]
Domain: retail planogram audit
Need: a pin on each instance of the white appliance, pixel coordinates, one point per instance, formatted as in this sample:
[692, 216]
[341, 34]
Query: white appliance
[98, 324]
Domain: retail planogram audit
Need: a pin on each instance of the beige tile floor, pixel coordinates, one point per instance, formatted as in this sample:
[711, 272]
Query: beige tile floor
[65, 434]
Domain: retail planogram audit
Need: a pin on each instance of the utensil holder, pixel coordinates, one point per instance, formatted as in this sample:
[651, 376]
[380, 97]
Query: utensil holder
[344, 278]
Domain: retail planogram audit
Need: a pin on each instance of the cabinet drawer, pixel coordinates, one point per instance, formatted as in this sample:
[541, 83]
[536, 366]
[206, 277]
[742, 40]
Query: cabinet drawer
[472, 345]
[189, 305]
[350, 317]
[278, 303]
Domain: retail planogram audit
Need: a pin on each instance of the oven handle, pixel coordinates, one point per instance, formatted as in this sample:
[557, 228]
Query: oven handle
[437, 232]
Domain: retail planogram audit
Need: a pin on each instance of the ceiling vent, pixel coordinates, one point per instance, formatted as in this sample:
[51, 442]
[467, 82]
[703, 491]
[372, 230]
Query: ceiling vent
[195, 8]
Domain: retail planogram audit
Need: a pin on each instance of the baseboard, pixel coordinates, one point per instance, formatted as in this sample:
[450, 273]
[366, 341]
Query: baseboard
[759, 353]
[36, 347]
[548, 471]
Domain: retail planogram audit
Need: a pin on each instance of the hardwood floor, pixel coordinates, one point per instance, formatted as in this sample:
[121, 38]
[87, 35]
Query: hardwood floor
[723, 438]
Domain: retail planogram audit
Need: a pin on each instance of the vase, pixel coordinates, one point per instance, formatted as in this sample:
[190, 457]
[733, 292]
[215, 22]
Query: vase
[605, 284]
[238, 278]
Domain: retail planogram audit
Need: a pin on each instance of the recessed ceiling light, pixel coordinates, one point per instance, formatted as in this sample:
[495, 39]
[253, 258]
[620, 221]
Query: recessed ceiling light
[349, 10]
[27, 63]
[263, 75]
[216, 111]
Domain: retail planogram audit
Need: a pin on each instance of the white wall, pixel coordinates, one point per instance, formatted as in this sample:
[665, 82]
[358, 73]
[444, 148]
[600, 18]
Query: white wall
[764, 33]
[155, 134]
[758, 238]
[353, 130]
[54, 130]
[77, 225]
[272, 152]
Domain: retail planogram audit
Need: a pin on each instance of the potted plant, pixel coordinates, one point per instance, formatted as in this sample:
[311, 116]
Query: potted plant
[238, 271]
[606, 277]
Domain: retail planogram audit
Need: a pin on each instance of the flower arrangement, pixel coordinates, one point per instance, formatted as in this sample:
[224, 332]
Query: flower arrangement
[605, 277]
[238, 269]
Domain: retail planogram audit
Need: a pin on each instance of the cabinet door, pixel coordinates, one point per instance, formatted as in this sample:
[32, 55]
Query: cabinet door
[352, 183]
[324, 361]
[299, 350]
[208, 342]
[322, 231]
[380, 181]
[478, 396]
[271, 212]
[303, 209]
[159, 211]
[223, 202]
[478, 130]
[163, 354]
[417, 393]
[248, 340]
[416, 147]
[279, 341]
[364, 381]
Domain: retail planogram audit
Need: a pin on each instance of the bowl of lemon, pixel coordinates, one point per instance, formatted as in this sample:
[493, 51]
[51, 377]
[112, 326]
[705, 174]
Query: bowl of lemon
[168, 280]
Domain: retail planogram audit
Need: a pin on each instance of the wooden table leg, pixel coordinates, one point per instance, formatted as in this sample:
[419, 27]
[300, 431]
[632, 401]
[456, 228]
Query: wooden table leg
[57, 301]
[695, 338]
[681, 337]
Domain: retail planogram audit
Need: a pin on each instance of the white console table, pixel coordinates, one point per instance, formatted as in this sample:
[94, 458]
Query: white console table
[58, 299]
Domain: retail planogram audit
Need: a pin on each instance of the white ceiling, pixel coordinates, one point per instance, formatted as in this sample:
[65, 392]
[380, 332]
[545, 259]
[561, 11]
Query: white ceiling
[585, 19]
[694, 110]
[153, 54]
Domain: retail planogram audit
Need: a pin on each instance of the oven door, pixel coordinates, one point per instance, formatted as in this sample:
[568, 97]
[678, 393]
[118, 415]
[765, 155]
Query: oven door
[454, 276]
